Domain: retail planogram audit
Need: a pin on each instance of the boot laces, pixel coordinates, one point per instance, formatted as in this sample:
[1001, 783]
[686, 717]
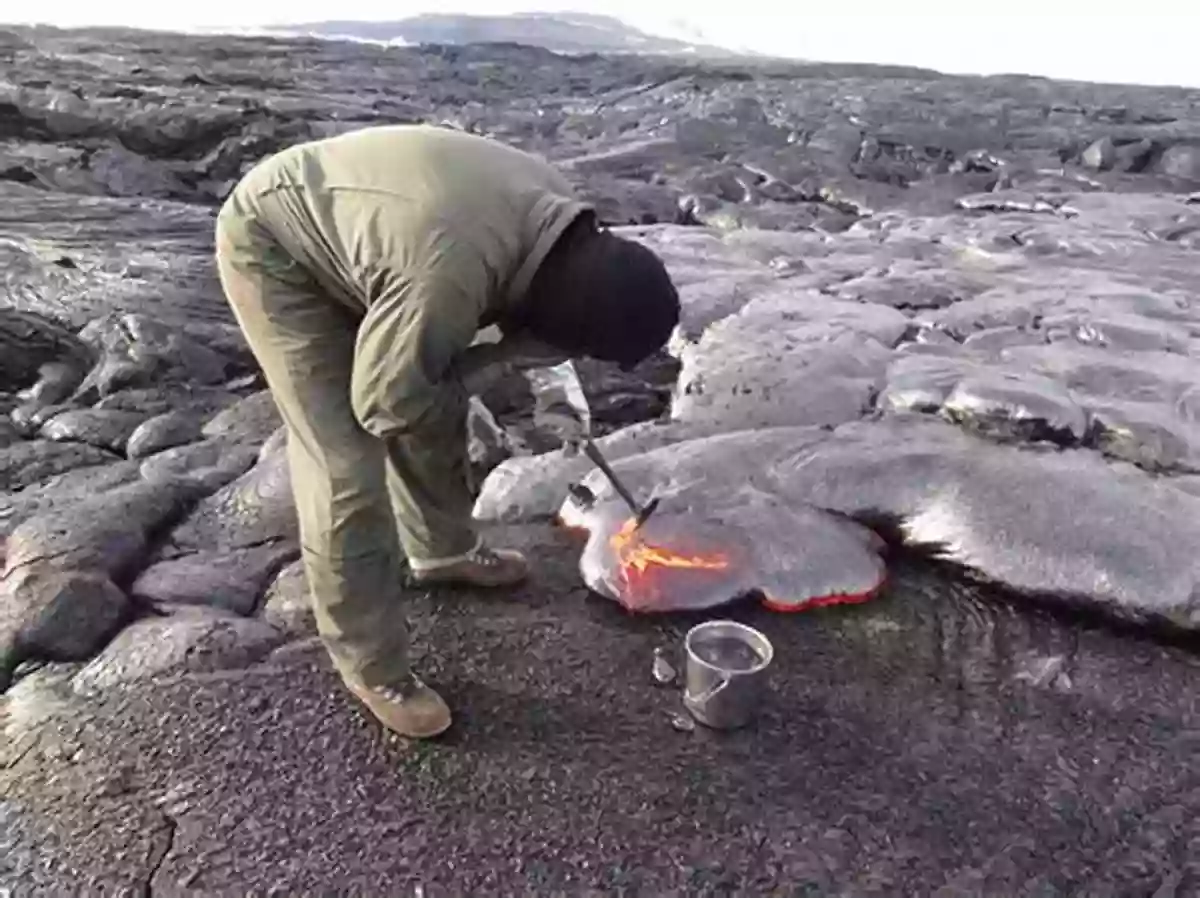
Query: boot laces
[486, 557]
[398, 695]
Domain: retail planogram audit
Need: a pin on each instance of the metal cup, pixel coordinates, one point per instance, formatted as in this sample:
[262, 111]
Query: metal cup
[726, 672]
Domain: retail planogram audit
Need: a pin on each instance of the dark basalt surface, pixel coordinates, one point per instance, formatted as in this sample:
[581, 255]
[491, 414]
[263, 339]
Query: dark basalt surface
[960, 311]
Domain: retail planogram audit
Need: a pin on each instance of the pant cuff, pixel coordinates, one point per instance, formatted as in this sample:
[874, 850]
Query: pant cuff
[423, 565]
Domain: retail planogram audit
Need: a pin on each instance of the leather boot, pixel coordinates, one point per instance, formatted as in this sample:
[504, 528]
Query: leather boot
[485, 568]
[417, 712]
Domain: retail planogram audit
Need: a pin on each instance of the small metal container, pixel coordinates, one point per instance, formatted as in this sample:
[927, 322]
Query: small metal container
[726, 673]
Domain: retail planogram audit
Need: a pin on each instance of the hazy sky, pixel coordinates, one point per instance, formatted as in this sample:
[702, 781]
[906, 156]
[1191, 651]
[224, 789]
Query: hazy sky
[1151, 42]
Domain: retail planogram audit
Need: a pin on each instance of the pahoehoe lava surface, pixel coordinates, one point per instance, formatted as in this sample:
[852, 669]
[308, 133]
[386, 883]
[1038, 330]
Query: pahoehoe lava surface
[959, 310]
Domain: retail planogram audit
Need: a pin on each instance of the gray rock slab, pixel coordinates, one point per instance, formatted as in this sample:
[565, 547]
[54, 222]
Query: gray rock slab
[109, 532]
[764, 373]
[255, 509]
[64, 490]
[196, 400]
[287, 603]
[50, 614]
[1114, 536]
[163, 431]
[203, 455]
[527, 487]
[700, 555]
[29, 462]
[252, 419]
[922, 383]
[106, 428]
[188, 639]
[137, 350]
[232, 581]
[1023, 407]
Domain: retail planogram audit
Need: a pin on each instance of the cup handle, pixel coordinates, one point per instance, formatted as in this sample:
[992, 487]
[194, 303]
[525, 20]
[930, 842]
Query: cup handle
[706, 696]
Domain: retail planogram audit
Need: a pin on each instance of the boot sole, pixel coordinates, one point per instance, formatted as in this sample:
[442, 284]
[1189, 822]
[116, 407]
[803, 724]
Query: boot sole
[469, 584]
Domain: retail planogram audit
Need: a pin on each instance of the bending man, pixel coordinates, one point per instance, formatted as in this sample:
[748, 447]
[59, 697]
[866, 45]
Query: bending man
[361, 268]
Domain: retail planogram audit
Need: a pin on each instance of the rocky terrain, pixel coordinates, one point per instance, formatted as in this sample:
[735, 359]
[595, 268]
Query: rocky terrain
[958, 311]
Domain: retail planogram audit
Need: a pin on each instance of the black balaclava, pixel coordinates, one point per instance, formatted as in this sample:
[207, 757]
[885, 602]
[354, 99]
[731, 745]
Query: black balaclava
[601, 296]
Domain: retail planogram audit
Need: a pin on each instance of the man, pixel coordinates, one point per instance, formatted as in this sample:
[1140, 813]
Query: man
[361, 268]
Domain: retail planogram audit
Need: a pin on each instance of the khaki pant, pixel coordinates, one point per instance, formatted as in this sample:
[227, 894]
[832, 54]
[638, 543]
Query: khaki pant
[363, 504]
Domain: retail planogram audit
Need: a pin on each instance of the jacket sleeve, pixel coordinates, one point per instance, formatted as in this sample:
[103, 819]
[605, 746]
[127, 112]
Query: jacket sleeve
[422, 316]
[481, 366]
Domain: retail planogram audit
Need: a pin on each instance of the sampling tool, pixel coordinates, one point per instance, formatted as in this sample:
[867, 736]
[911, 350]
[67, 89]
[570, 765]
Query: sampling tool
[561, 407]
[641, 513]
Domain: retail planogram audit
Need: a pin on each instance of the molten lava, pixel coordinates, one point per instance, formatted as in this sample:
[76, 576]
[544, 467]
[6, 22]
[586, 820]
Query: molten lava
[639, 559]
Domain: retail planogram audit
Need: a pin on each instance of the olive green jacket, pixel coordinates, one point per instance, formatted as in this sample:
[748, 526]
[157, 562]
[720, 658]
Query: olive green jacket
[428, 233]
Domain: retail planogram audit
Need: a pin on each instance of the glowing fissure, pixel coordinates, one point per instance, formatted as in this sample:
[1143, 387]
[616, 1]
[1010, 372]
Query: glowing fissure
[637, 557]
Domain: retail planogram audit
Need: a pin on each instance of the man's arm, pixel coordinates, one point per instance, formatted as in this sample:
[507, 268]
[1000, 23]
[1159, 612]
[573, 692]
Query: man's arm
[484, 364]
[422, 318]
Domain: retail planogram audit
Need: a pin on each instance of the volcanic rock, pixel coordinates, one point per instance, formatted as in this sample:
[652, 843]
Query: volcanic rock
[163, 431]
[26, 463]
[190, 639]
[30, 344]
[252, 419]
[959, 499]
[63, 491]
[701, 551]
[957, 314]
[951, 274]
[108, 532]
[106, 428]
[255, 508]
[233, 581]
[56, 615]
[286, 603]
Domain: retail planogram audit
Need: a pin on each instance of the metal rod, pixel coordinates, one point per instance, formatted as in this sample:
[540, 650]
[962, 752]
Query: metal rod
[593, 453]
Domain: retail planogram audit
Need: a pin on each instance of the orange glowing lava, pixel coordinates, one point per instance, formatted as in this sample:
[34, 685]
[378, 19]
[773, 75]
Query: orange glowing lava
[639, 558]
